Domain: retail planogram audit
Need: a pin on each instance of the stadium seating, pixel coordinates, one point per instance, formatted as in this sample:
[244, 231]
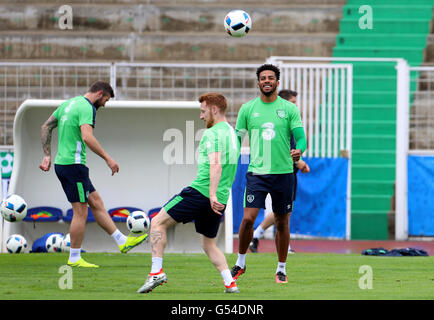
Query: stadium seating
[400, 29]
[43, 214]
[168, 31]
[120, 214]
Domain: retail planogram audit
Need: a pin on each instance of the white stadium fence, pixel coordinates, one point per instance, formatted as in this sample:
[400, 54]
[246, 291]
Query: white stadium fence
[402, 136]
[421, 123]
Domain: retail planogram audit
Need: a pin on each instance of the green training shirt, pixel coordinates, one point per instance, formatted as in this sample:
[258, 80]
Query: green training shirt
[219, 138]
[269, 126]
[70, 115]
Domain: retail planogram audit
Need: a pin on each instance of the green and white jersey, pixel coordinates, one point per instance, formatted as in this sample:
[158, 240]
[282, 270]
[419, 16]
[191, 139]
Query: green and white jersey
[70, 115]
[269, 126]
[219, 138]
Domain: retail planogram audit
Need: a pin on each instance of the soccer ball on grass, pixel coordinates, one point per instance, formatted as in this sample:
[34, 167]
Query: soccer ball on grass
[54, 243]
[16, 243]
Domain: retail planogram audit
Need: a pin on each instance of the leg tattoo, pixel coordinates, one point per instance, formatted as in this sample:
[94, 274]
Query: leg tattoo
[156, 237]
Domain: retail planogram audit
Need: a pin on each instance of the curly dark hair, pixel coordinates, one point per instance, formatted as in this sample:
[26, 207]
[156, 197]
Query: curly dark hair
[268, 67]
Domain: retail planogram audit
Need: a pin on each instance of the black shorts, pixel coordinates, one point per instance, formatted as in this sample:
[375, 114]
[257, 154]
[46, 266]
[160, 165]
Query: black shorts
[190, 205]
[75, 181]
[279, 186]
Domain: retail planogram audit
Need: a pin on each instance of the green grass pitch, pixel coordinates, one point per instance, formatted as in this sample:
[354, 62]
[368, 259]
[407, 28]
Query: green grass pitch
[193, 277]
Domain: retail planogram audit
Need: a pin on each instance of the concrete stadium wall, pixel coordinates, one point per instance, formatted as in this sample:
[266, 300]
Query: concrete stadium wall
[132, 133]
[167, 30]
[167, 47]
[188, 16]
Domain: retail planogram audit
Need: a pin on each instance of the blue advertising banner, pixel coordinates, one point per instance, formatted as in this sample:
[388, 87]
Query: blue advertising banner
[320, 206]
[420, 195]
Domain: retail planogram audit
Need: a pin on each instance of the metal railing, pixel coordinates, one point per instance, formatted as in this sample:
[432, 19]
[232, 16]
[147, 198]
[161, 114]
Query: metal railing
[421, 126]
[167, 81]
[325, 103]
[130, 81]
[20, 81]
[172, 81]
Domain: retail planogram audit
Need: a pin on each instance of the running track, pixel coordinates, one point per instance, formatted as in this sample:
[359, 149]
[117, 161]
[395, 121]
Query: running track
[342, 246]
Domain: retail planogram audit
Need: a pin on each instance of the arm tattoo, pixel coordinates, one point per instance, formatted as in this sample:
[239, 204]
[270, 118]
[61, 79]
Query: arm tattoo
[46, 132]
[156, 237]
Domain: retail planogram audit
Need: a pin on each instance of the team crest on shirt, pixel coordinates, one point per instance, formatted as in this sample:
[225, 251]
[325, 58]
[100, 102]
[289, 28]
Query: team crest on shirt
[250, 198]
[281, 113]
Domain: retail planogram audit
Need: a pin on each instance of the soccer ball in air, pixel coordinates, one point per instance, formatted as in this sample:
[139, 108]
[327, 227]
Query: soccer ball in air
[13, 208]
[238, 23]
[54, 243]
[138, 222]
[66, 243]
[16, 243]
